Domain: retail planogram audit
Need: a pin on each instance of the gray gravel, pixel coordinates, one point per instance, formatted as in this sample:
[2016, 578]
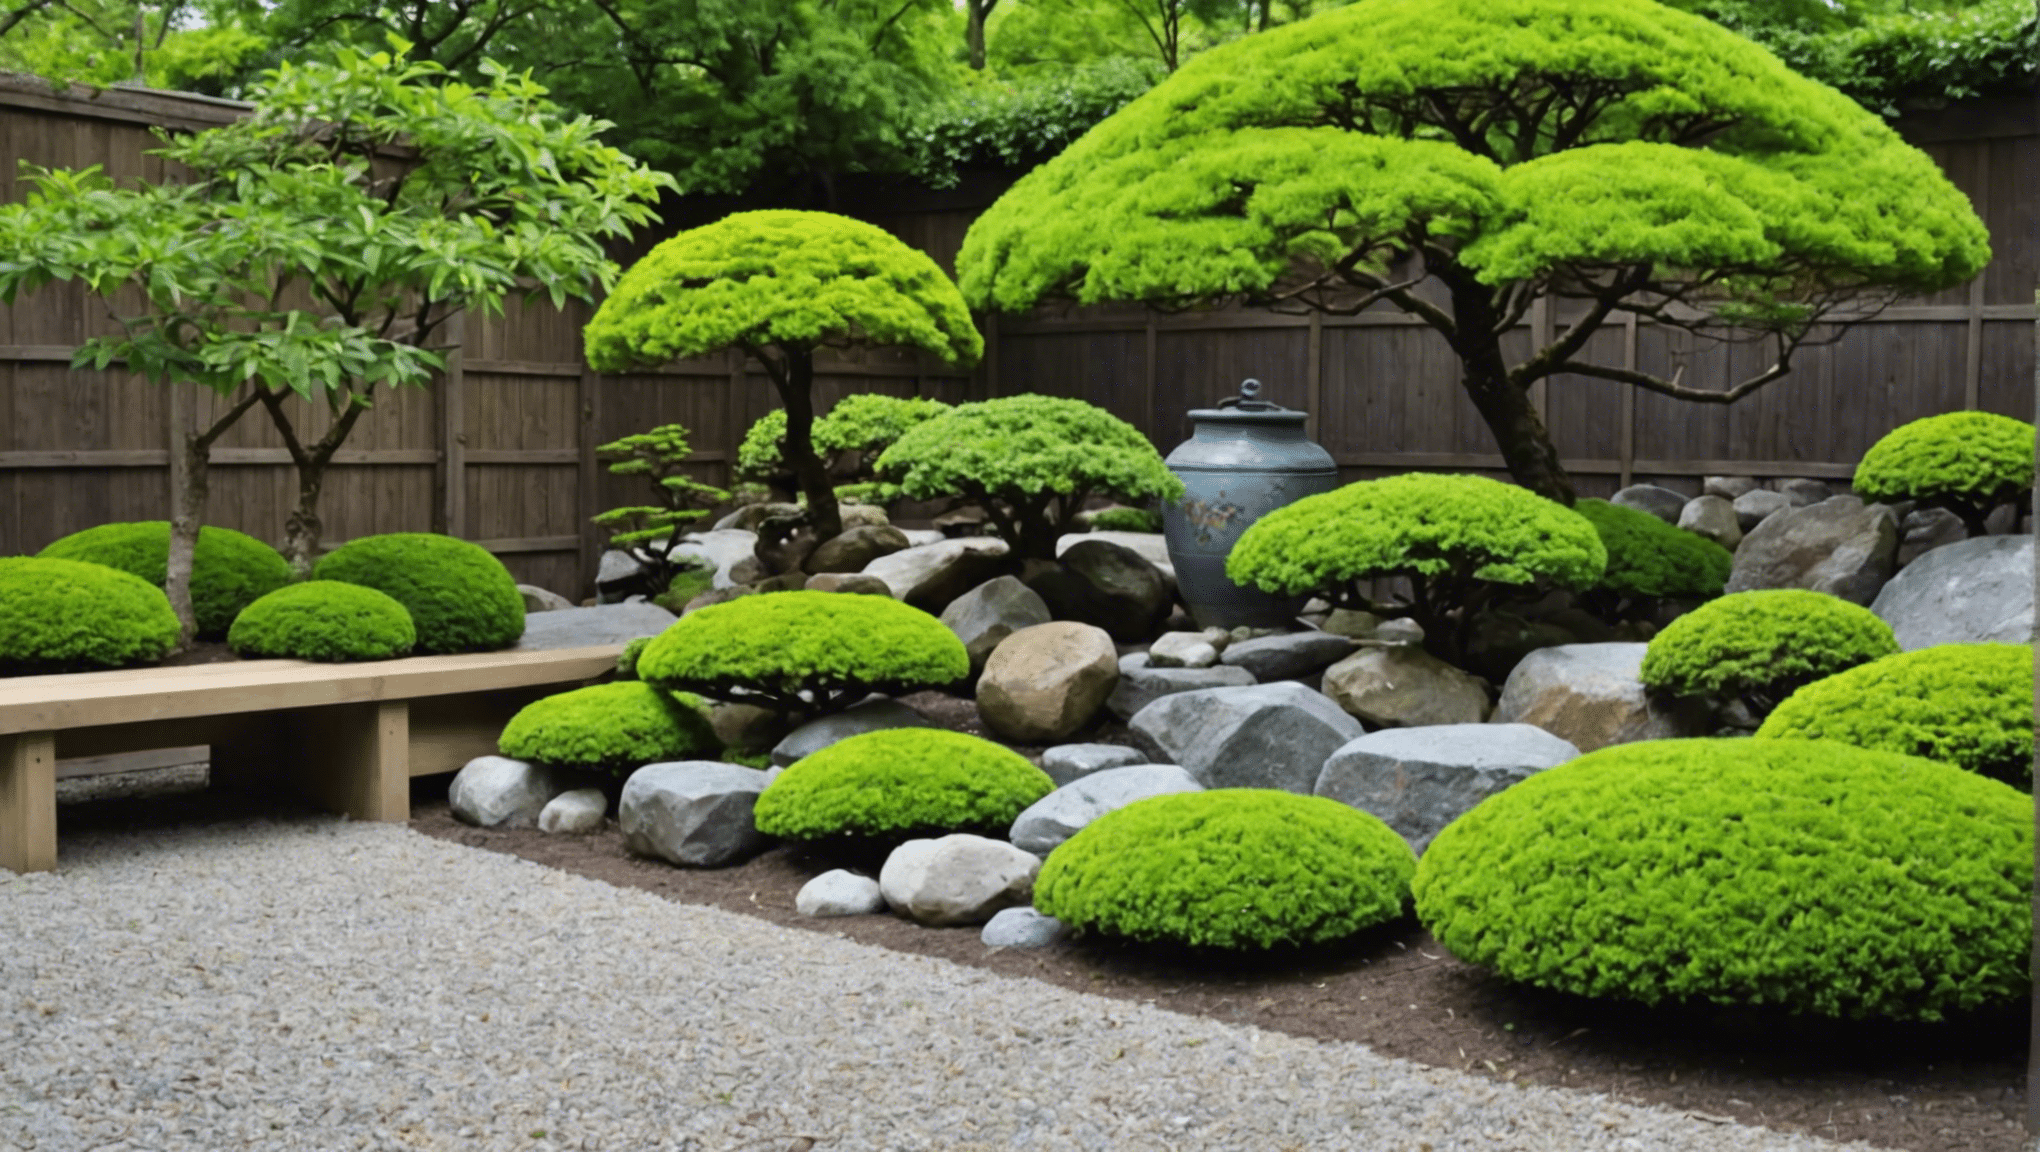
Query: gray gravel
[325, 985]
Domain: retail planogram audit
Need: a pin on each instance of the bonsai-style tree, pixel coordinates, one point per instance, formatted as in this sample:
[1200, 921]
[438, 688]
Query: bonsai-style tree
[849, 440]
[650, 532]
[1461, 160]
[1965, 462]
[779, 285]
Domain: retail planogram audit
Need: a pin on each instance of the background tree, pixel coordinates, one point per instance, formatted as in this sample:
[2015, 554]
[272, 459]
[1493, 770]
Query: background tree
[1610, 155]
[194, 45]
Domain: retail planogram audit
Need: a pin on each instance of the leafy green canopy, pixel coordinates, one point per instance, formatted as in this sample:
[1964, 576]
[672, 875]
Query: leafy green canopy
[1230, 868]
[1970, 705]
[324, 620]
[460, 597]
[1763, 646]
[1966, 462]
[1811, 875]
[900, 784]
[618, 727]
[229, 569]
[67, 615]
[866, 423]
[1648, 557]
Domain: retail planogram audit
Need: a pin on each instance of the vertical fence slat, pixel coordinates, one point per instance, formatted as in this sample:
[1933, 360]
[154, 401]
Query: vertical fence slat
[453, 433]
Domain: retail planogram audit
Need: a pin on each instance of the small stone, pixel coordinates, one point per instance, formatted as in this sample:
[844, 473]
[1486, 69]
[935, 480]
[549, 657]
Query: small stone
[1181, 650]
[1065, 763]
[1044, 683]
[956, 879]
[839, 893]
[1658, 501]
[1401, 630]
[498, 792]
[538, 599]
[1728, 487]
[1061, 814]
[1803, 492]
[692, 812]
[1714, 518]
[575, 813]
[1289, 655]
[1403, 686]
[853, 583]
[1140, 685]
[1022, 928]
[874, 715]
[1352, 623]
[1751, 508]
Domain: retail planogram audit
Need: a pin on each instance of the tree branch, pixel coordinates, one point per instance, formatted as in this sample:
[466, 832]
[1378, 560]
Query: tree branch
[1678, 391]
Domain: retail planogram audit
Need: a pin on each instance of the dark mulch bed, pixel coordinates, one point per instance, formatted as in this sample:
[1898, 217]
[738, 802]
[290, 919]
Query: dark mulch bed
[1939, 1088]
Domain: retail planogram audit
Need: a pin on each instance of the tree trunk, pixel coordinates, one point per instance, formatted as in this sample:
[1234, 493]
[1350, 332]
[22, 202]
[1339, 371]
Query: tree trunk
[796, 392]
[302, 531]
[1527, 450]
[975, 12]
[192, 490]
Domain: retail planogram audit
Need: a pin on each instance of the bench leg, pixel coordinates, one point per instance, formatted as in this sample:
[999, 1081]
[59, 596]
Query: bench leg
[28, 802]
[354, 758]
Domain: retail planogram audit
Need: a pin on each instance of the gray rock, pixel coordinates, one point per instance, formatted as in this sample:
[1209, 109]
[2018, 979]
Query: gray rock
[851, 583]
[1714, 518]
[1352, 623]
[1757, 505]
[855, 548]
[1106, 585]
[1140, 684]
[1728, 487]
[1068, 762]
[498, 792]
[1590, 695]
[916, 537]
[538, 599]
[1662, 503]
[1971, 592]
[1804, 492]
[929, 576]
[873, 715]
[1401, 630]
[583, 627]
[839, 893]
[1046, 682]
[732, 552]
[1022, 928]
[1925, 529]
[1289, 656]
[1402, 685]
[575, 813]
[748, 728]
[956, 879]
[1182, 650]
[1062, 813]
[619, 575]
[1152, 547]
[1418, 780]
[692, 812]
[984, 616]
[1260, 736]
[1840, 546]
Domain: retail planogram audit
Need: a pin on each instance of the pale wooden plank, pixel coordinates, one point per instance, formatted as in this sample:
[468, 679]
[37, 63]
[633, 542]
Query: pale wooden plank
[123, 762]
[28, 802]
[352, 758]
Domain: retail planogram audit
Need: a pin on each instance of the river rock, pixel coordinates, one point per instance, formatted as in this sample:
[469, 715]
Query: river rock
[1970, 592]
[1259, 736]
[575, 813]
[1925, 529]
[852, 583]
[1401, 685]
[984, 616]
[1141, 684]
[956, 879]
[1062, 813]
[1728, 487]
[1418, 780]
[1757, 505]
[498, 792]
[692, 812]
[1288, 656]
[1046, 682]
[929, 576]
[1591, 696]
[855, 548]
[1022, 928]
[874, 715]
[1104, 584]
[1152, 547]
[1803, 491]
[839, 893]
[1065, 763]
[1182, 650]
[1660, 502]
[538, 599]
[1840, 546]
[1714, 518]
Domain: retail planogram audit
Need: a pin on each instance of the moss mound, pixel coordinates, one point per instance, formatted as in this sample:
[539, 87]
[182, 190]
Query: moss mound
[1229, 868]
[1763, 646]
[1812, 875]
[69, 616]
[461, 598]
[1648, 557]
[229, 570]
[324, 620]
[804, 652]
[617, 727]
[1970, 705]
[900, 784]
[1966, 462]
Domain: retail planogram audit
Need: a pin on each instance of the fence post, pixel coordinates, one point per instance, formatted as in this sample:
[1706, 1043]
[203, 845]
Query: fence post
[1314, 375]
[590, 473]
[453, 432]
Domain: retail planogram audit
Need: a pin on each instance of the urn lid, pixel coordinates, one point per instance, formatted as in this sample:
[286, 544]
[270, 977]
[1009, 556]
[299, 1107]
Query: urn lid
[1248, 408]
[1246, 434]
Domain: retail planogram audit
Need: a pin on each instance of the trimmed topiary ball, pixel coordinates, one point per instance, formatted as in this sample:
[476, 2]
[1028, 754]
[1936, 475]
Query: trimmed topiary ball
[324, 620]
[1812, 875]
[1970, 705]
[1229, 868]
[461, 598]
[804, 653]
[69, 616]
[617, 727]
[1650, 558]
[901, 784]
[1763, 646]
[1966, 462]
[229, 570]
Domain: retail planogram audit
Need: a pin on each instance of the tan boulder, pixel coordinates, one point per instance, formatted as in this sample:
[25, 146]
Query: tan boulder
[1403, 686]
[1044, 683]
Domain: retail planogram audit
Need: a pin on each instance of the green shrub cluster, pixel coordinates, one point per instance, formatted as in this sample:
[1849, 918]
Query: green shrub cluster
[1899, 60]
[229, 569]
[1970, 705]
[616, 727]
[1812, 875]
[1650, 558]
[461, 598]
[1763, 646]
[850, 438]
[68, 616]
[324, 620]
[1966, 462]
[1229, 868]
[804, 652]
[1125, 520]
[1018, 126]
[900, 784]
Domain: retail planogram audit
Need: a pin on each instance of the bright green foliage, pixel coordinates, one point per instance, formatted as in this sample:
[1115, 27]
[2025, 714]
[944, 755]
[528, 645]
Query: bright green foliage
[761, 454]
[1650, 558]
[804, 652]
[618, 727]
[650, 533]
[850, 438]
[67, 616]
[229, 569]
[1019, 125]
[1970, 705]
[626, 660]
[1763, 646]
[1229, 868]
[106, 42]
[1125, 520]
[1966, 462]
[1908, 56]
[1030, 462]
[901, 784]
[1811, 875]
[324, 620]
[459, 596]
[1460, 540]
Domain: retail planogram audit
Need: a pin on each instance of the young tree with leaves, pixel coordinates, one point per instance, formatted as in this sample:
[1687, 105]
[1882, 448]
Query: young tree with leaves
[650, 532]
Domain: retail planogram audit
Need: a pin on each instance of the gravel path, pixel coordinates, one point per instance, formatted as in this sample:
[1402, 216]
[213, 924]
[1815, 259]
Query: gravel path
[322, 985]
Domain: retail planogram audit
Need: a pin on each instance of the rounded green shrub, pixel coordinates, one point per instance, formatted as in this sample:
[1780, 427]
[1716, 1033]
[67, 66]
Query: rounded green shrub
[1812, 875]
[324, 620]
[804, 652]
[1970, 705]
[229, 569]
[461, 598]
[1763, 646]
[68, 616]
[899, 784]
[1229, 868]
[617, 727]
[1125, 520]
[1966, 462]
[1648, 557]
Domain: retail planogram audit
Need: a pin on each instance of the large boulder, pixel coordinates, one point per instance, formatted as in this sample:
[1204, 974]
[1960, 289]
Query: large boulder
[1062, 813]
[538, 599]
[873, 715]
[1045, 682]
[692, 812]
[1660, 502]
[1728, 487]
[1804, 491]
[1418, 780]
[1591, 696]
[929, 576]
[498, 792]
[1975, 591]
[1104, 584]
[1758, 505]
[731, 551]
[1141, 683]
[584, 627]
[1066, 763]
[1925, 529]
[1152, 547]
[1840, 546]
[855, 548]
[1259, 736]
[1288, 655]
[618, 576]
[984, 616]
[957, 879]
[1401, 685]
[1714, 518]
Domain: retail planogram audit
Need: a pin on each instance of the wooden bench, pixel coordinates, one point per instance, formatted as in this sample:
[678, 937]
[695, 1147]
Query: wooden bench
[350, 736]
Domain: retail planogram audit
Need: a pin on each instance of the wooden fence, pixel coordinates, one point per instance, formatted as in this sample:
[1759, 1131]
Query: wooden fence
[501, 451]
